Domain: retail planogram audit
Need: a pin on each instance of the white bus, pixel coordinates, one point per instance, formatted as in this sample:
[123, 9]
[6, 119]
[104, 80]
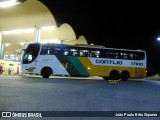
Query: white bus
[83, 60]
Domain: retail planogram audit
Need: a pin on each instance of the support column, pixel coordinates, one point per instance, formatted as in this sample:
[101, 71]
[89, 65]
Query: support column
[1, 46]
[62, 41]
[38, 34]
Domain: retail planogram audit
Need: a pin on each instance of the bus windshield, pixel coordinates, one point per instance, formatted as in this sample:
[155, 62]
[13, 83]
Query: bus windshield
[30, 53]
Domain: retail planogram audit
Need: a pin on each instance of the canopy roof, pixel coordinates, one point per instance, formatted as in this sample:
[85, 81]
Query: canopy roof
[19, 25]
[26, 15]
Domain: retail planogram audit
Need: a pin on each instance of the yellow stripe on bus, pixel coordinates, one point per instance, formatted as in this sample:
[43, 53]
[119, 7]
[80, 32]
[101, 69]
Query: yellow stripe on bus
[98, 70]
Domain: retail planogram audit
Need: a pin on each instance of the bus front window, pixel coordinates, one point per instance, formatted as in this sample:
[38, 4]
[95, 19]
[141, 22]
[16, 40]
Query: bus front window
[31, 53]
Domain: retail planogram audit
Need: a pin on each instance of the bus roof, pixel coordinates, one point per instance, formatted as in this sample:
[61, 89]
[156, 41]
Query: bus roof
[103, 47]
[91, 46]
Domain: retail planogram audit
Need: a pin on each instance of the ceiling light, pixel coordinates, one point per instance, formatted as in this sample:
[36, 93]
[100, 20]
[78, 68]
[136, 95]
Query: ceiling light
[8, 3]
[48, 28]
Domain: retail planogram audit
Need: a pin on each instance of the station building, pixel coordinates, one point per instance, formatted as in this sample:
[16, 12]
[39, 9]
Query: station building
[25, 21]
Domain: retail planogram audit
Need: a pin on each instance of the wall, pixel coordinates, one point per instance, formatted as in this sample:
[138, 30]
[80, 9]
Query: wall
[10, 65]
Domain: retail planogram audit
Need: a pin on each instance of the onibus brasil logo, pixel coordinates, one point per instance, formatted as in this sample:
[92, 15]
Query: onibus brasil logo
[20, 114]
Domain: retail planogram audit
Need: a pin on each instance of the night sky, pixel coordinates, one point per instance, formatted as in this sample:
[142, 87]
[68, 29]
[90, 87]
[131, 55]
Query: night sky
[115, 23]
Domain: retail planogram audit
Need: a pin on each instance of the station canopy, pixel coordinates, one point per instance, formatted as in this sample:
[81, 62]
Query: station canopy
[30, 21]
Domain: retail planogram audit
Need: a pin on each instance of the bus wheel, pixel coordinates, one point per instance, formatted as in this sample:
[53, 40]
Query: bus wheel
[106, 78]
[114, 75]
[46, 72]
[124, 75]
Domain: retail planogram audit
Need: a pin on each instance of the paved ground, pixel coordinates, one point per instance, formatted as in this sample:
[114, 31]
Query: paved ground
[32, 93]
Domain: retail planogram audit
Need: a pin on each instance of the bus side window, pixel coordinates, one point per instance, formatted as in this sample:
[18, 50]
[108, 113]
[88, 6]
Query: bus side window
[107, 55]
[123, 55]
[110, 54]
[52, 51]
[103, 54]
[66, 52]
[116, 55]
[82, 53]
[74, 52]
[131, 56]
[95, 53]
[57, 51]
[44, 51]
[48, 51]
[139, 56]
[92, 54]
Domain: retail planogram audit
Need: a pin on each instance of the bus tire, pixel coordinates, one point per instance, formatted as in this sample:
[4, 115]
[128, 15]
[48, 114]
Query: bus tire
[106, 78]
[114, 75]
[124, 75]
[46, 72]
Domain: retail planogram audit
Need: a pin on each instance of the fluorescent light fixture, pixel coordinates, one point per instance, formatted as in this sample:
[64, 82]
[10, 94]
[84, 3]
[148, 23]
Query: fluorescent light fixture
[46, 28]
[8, 3]
[51, 41]
[22, 43]
[6, 32]
[17, 31]
[30, 30]
[54, 41]
[44, 42]
[7, 44]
